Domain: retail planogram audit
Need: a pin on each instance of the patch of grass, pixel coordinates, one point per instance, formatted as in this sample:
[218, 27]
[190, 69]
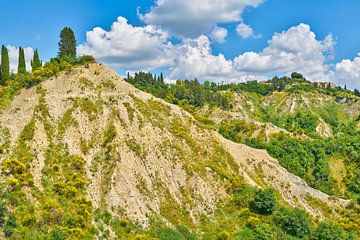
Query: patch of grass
[86, 82]
[92, 109]
[134, 146]
[130, 110]
[108, 84]
[109, 135]
[66, 121]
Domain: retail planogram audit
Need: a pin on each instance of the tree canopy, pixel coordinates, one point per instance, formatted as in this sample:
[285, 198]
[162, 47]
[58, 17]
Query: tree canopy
[36, 63]
[67, 43]
[22, 64]
[5, 65]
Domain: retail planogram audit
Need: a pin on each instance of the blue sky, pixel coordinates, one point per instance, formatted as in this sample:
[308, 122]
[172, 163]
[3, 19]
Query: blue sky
[36, 24]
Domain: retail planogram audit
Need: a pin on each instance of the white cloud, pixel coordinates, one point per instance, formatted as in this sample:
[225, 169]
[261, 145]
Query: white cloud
[134, 48]
[219, 34]
[190, 19]
[14, 57]
[128, 47]
[245, 31]
[194, 60]
[296, 49]
[348, 72]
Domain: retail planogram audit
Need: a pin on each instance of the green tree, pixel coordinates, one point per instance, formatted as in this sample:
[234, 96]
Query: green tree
[21, 64]
[328, 231]
[296, 75]
[36, 63]
[161, 77]
[5, 65]
[67, 43]
[264, 201]
[357, 92]
[293, 221]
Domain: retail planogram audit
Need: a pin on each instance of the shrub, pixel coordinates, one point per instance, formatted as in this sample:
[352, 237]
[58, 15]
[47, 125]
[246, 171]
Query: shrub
[328, 231]
[264, 201]
[263, 232]
[224, 235]
[166, 233]
[9, 225]
[58, 234]
[296, 75]
[187, 234]
[294, 222]
[2, 213]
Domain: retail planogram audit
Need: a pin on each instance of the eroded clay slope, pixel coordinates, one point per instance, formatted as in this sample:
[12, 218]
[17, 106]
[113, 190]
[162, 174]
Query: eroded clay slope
[264, 171]
[143, 156]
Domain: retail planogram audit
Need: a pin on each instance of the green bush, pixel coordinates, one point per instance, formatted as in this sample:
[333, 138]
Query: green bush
[293, 221]
[166, 233]
[224, 235]
[2, 212]
[328, 231]
[264, 201]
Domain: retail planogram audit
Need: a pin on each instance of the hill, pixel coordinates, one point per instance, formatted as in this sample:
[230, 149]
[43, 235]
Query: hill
[86, 155]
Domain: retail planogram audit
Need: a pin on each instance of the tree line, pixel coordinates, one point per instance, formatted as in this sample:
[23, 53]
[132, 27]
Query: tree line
[183, 92]
[67, 49]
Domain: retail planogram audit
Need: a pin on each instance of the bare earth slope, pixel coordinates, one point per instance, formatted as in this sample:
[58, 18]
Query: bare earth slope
[143, 156]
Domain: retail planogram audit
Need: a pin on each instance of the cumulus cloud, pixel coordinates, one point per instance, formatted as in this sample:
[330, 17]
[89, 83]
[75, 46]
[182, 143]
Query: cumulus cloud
[14, 57]
[190, 19]
[133, 48]
[296, 49]
[245, 31]
[348, 72]
[219, 34]
[128, 47]
[194, 59]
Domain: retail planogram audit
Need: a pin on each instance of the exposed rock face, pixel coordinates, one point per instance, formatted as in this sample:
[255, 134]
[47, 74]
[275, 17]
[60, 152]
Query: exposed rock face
[266, 171]
[323, 129]
[143, 156]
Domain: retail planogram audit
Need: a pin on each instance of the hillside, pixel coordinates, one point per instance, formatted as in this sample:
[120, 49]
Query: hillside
[86, 155]
[309, 127]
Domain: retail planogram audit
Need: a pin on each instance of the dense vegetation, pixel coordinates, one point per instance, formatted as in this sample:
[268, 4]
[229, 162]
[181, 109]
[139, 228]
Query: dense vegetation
[238, 218]
[305, 158]
[187, 92]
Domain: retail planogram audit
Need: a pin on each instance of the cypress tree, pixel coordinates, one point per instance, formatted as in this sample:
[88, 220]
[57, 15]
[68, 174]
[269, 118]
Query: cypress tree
[5, 65]
[22, 64]
[161, 77]
[67, 43]
[35, 62]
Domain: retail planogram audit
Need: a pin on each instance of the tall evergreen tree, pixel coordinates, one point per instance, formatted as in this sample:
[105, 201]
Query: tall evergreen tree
[5, 65]
[21, 64]
[67, 43]
[161, 77]
[357, 93]
[36, 63]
